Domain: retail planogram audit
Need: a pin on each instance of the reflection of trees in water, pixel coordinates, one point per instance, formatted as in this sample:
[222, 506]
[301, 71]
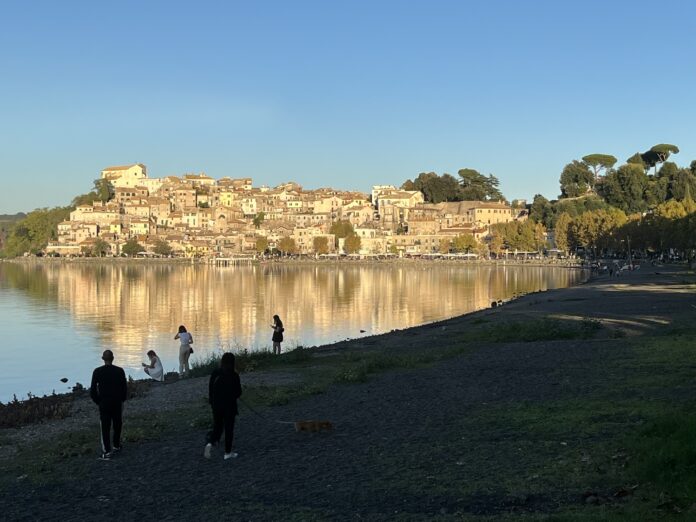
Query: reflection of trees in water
[31, 279]
[134, 305]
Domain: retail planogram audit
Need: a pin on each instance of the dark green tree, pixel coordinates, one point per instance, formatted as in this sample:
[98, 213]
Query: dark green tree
[435, 189]
[599, 162]
[477, 187]
[33, 233]
[626, 188]
[657, 154]
[131, 247]
[103, 191]
[576, 179]
[258, 219]
[541, 211]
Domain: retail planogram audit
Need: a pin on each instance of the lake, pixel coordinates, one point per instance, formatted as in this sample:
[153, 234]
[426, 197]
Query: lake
[58, 317]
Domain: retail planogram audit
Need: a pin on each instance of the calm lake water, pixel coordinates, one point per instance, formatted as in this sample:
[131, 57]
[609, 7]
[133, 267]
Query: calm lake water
[58, 318]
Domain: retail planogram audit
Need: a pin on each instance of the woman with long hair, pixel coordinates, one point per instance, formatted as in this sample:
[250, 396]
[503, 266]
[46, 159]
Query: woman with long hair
[185, 350]
[277, 334]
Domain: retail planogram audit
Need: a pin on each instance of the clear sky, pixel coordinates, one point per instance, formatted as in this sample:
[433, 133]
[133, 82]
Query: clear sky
[336, 93]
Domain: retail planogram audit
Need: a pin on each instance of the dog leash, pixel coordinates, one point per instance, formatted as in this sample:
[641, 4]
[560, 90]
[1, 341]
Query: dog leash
[262, 416]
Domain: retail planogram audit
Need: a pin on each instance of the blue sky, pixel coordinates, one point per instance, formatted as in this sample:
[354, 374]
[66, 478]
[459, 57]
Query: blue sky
[343, 94]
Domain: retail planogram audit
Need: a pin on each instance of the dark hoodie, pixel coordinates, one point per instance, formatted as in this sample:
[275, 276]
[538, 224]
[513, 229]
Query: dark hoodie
[223, 391]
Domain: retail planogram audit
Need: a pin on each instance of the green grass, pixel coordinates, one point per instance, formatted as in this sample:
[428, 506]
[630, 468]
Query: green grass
[531, 330]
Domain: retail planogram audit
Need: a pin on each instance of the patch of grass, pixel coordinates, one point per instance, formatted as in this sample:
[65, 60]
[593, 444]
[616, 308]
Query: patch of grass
[664, 455]
[533, 330]
[248, 361]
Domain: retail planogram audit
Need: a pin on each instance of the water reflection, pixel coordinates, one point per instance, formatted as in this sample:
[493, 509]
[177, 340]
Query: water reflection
[64, 315]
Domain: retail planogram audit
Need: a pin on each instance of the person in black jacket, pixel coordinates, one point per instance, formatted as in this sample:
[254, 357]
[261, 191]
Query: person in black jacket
[109, 390]
[223, 391]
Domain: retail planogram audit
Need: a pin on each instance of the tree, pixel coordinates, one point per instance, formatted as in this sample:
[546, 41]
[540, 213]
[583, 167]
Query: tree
[435, 189]
[287, 245]
[561, 232]
[541, 211]
[100, 248]
[203, 204]
[464, 243]
[576, 179]
[445, 245]
[321, 244]
[663, 151]
[599, 162]
[626, 188]
[258, 219]
[477, 187]
[261, 245]
[495, 244]
[33, 233]
[637, 159]
[341, 228]
[132, 247]
[539, 236]
[162, 248]
[103, 191]
[657, 154]
[352, 244]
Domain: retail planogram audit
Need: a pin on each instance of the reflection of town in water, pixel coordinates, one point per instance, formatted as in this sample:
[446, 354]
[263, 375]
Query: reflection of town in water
[134, 308]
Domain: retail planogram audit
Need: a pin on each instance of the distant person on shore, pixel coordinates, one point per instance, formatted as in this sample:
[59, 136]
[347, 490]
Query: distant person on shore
[224, 389]
[185, 350]
[277, 334]
[154, 369]
[109, 390]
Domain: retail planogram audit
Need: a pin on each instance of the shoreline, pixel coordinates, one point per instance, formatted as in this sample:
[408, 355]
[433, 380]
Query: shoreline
[551, 263]
[69, 395]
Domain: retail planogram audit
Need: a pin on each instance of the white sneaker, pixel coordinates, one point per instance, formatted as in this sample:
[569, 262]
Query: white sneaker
[231, 455]
[207, 449]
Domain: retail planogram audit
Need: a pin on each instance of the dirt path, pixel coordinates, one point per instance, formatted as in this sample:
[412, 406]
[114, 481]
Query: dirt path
[407, 445]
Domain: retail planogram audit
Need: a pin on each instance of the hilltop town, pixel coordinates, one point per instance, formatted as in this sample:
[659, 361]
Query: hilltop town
[195, 215]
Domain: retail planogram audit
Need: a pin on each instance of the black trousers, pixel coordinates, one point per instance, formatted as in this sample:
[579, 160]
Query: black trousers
[110, 413]
[223, 420]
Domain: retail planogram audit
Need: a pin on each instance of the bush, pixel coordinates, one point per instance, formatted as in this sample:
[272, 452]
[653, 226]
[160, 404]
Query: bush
[35, 409]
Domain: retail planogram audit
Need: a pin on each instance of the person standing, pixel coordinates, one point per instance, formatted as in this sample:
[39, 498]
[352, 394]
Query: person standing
[277, 334]
[224, 389]
[185, 350]
[109, 391]
[155, 368]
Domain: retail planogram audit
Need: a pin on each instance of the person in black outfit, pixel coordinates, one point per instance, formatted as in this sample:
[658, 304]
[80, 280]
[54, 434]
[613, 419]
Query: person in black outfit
[109, 390]
[277, 334]
[223, 391]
